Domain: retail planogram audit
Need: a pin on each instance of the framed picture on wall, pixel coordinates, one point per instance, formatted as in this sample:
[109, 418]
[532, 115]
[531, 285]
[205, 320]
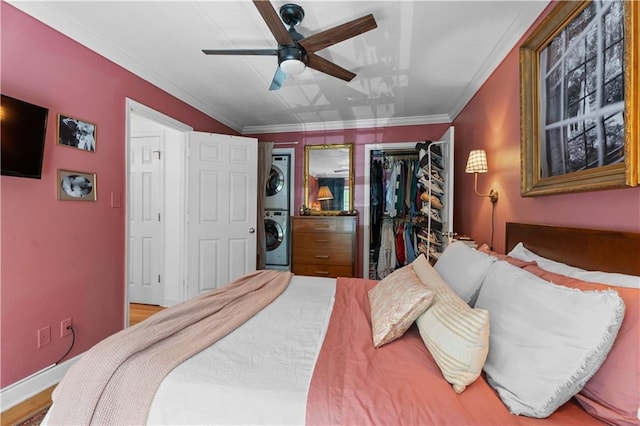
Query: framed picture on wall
[76, 133]
[76, 186]
[579, 99]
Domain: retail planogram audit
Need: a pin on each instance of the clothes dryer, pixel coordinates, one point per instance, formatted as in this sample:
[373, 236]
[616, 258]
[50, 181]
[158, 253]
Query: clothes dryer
[278, 184]
[276, 226]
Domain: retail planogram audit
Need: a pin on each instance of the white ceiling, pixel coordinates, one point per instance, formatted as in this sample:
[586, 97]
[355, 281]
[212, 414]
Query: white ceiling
[421, 65]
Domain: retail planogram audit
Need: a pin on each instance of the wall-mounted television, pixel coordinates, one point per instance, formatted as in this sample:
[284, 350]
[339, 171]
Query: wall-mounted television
[22, 135]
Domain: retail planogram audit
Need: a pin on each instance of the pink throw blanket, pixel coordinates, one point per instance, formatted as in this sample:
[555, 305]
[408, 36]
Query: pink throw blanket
[116, 380]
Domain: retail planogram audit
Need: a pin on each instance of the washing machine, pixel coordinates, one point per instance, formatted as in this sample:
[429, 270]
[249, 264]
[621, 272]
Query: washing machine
[277, 191]
[276, 226]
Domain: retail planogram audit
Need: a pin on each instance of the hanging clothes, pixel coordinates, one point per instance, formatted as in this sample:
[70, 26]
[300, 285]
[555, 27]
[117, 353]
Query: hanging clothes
[409, 242]
[387, 257]
[377, 202]
[391, 193]
[400, 245]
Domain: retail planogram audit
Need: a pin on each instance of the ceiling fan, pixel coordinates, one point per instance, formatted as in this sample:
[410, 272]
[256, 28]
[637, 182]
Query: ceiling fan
[295, 52]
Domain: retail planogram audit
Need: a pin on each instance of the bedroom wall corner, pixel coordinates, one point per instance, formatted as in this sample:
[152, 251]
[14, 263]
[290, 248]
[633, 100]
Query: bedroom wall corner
[491, 121]
[63, 259]
[359, 137]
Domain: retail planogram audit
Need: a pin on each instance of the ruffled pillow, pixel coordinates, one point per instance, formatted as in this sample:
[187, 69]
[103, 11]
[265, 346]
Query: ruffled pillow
[613, 393]
[546, 340]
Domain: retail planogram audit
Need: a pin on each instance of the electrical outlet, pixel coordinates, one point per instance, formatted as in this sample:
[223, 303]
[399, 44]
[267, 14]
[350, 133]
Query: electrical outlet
[64, 324]
[44, 336]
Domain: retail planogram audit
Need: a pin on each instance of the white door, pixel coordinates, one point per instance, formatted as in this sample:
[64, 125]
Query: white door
[222, 211]
[145, 227]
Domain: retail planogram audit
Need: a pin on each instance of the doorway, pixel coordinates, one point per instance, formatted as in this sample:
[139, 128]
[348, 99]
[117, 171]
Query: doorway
[160, 142]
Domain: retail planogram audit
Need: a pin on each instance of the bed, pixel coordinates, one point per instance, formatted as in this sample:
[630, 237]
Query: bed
[308, 356]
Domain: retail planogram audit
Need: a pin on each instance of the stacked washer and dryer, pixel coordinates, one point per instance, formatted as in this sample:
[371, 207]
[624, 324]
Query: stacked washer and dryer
[276, 216]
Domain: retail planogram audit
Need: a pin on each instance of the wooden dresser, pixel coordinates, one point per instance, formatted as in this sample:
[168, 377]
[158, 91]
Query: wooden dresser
[323, 246]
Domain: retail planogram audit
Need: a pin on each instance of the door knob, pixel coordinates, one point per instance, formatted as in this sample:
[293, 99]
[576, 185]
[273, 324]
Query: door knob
[252, 230]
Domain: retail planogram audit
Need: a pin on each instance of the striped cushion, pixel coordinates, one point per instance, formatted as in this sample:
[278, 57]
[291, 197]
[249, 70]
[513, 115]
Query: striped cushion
[456, 335]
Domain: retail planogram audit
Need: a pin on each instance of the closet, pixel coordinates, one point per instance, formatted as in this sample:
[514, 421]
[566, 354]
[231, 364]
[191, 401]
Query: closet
[408, 203]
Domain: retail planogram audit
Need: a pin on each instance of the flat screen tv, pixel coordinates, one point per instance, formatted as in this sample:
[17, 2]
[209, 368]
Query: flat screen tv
[22, 135]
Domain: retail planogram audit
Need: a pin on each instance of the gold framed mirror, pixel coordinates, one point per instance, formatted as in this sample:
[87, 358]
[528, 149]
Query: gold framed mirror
[328, 179]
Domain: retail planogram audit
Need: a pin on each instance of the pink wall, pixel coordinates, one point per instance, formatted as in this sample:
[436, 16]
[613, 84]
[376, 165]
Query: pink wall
[491, 120]
[64, 259]
[359, 137]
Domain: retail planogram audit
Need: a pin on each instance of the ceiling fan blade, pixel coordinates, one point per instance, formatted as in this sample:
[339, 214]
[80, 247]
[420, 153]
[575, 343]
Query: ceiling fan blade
[319, 63]
[266, 52]
[273, 21]
[337, 34]
[278, 79]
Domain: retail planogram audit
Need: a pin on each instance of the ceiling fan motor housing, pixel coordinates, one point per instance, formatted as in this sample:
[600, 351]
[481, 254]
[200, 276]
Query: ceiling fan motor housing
[291, 14]
[286, 53]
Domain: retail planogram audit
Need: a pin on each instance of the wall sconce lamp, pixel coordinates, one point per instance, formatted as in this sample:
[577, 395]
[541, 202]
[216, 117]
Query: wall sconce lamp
[477, 163]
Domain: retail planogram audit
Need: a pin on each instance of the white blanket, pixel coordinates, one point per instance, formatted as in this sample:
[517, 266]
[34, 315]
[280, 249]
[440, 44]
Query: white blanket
[258, 374]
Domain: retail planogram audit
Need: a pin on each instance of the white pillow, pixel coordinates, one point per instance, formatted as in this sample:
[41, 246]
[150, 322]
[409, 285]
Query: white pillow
[456, 335]
[546, 340]
[464, 268]
[611, 278]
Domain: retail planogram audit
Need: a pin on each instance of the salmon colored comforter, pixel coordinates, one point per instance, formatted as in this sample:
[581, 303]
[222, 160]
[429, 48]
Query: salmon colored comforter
[399, 383]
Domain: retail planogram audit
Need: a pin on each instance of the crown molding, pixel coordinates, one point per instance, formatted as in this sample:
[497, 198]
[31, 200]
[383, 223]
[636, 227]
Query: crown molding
[512, 35]
[82, 34]
[353, 124]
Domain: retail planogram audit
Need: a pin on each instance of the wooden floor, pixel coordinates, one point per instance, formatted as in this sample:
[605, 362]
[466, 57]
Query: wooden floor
[139, 312]
[26, 409]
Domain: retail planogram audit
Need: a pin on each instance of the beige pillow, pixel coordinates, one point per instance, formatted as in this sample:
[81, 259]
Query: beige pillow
[456, 335]
[396, 302]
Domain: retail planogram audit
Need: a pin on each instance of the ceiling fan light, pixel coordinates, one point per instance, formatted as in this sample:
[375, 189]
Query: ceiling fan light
[292, 66]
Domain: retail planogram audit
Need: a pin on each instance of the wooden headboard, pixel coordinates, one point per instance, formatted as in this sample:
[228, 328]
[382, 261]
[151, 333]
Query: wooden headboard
[609, 251]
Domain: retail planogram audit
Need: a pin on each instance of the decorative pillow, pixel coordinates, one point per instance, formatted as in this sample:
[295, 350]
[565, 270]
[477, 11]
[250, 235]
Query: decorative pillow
[463, 269]
[611, 278]
[512, 260]
[613, 393]
[456, 335]
[546, 340]
[396, 302]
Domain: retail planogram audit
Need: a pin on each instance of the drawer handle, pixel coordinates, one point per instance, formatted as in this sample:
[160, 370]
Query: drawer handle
[321, 226]
[322, 272]
[321, 256]
[320, 241]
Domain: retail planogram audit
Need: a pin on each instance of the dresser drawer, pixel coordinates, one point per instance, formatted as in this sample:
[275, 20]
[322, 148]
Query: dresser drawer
[331, 271]
[321, 240]
[324, 224]
[328, 256]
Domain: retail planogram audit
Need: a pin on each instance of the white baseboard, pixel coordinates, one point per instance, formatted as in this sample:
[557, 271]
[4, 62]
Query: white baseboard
[169, 302]
[26, 388]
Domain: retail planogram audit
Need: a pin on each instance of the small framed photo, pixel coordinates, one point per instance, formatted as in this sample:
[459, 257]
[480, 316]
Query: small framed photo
[76, 133]
[76, 186]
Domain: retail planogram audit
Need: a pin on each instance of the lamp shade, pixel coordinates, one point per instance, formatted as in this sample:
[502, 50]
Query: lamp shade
[477, 162]
[324, 193]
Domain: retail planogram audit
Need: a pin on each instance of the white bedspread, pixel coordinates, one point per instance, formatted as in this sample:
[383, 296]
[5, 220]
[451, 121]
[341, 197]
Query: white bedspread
[260, 373]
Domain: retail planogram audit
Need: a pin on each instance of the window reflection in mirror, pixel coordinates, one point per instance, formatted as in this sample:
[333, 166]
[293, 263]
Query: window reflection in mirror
[329, 178]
